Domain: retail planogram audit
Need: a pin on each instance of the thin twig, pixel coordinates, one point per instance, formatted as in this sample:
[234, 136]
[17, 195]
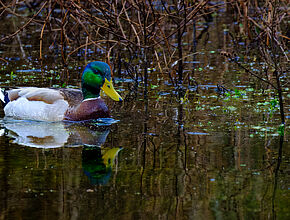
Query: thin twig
[25, 25]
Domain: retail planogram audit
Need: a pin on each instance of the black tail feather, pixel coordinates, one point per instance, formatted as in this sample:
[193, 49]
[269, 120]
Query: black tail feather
[4, 97]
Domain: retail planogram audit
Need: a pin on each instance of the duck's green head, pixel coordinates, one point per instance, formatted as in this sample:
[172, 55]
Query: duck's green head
[97, 76]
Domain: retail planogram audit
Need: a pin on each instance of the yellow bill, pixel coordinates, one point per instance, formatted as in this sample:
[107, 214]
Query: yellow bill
[108, 88]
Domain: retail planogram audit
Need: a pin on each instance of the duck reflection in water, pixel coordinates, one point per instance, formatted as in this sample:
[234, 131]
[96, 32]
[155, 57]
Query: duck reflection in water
[98, 166]
[96, 162]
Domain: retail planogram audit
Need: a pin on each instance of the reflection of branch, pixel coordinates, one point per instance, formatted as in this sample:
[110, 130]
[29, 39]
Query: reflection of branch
[246, 69]
[24, 26]
[276, 173]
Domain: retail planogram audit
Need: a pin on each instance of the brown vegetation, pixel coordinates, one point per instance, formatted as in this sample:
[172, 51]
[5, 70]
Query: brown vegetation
[146, 34]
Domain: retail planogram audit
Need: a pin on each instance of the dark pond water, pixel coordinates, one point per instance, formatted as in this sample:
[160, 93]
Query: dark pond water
[213, 156]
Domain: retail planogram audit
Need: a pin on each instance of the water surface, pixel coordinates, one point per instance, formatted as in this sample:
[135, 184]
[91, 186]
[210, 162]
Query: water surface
[194, 152]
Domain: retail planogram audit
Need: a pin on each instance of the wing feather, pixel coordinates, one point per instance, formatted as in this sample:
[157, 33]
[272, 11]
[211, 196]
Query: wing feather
[73, 96]
[36, 94]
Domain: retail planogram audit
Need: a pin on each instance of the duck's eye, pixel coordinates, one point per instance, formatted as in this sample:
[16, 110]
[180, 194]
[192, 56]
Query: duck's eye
[109, 86]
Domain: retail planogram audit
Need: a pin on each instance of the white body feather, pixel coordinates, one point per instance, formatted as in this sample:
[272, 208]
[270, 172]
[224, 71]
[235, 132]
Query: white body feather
[22, 108]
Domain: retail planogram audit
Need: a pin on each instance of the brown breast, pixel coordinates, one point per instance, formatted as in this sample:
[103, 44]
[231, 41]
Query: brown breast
[88, 109]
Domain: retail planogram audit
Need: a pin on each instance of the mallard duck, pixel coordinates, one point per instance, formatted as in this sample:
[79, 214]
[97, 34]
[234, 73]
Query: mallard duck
[57, 104]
